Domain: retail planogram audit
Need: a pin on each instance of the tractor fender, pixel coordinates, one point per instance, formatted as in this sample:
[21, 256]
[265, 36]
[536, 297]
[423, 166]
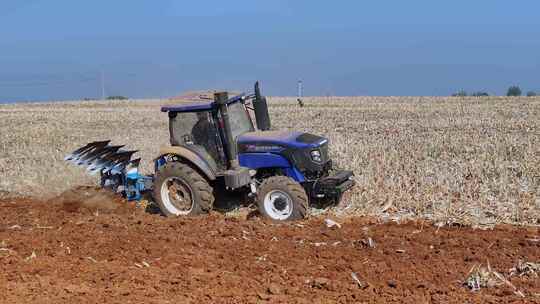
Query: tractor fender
[190, 156]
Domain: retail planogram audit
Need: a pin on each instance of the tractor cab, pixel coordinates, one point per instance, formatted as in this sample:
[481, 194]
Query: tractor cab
[200, 127]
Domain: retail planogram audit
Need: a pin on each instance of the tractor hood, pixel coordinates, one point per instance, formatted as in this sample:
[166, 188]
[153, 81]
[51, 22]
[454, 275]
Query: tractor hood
[270, 141]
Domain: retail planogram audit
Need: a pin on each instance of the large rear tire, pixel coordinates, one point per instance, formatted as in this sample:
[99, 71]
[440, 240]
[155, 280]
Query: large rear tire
[179, 190]
[282, 199]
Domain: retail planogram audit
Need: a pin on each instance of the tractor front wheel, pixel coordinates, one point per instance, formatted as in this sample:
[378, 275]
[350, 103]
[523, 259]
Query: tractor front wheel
[179, 190]
[282, 199]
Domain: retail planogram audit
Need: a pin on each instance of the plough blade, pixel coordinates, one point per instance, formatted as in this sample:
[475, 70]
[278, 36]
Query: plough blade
[96, 154]
[113, 167]
[109, 151]
[108, 162]
[135, 163]
[100, 157]
[77, 153]
[78, 160]
[121, 167]
[118, 171]
[117, 167]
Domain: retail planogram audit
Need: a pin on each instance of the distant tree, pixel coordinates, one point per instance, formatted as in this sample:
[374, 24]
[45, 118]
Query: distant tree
[117, 98]
[480, 94]
[531, 94]
[460, 93]
[514, 91]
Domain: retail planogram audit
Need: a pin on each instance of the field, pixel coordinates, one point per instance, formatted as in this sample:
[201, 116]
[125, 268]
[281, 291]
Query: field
[473, 161]
[64, 251]
[444, 185]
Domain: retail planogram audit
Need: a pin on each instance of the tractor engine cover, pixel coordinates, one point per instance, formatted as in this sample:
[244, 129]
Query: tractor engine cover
[307, 152]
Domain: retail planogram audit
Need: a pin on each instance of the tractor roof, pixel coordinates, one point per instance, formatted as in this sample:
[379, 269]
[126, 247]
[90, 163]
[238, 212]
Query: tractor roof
[198, 106]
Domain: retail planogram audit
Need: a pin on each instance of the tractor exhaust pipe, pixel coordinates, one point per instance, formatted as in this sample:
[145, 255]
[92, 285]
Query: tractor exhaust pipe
[220, 98]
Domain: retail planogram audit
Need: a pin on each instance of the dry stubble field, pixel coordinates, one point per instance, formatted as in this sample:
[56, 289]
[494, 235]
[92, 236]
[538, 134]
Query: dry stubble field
[467, 160]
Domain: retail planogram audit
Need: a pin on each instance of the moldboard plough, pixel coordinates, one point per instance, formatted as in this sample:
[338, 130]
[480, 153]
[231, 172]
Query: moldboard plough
[216, 144]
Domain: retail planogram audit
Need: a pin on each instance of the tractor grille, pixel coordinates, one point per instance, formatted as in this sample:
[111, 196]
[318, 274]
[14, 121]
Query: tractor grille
[303, 161]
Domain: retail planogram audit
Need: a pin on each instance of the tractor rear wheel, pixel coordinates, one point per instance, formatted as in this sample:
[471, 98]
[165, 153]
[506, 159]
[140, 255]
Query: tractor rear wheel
[282, 199]
[179, 190]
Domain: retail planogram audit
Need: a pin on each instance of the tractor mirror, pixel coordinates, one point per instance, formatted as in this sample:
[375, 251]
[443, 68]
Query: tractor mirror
[261, 110]
[261, 114]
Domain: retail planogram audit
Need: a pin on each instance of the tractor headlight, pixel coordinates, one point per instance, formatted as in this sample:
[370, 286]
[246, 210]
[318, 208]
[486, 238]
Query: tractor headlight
[316, 156]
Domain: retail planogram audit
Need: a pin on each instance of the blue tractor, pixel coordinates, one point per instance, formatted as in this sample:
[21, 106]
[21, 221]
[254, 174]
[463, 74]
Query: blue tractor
[216, 146]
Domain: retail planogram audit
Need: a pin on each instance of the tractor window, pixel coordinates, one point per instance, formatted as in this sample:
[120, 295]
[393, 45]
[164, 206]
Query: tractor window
[240, 120]
[196, 130]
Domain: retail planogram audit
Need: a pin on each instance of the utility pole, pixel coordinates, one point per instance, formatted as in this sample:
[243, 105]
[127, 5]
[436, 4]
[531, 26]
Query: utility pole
[300, 93]
[102, 85]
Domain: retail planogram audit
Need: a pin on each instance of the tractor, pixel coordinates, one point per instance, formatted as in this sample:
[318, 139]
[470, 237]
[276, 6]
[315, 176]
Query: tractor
[215, 146]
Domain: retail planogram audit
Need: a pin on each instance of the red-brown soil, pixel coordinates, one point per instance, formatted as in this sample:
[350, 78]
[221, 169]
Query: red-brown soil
[75, 250]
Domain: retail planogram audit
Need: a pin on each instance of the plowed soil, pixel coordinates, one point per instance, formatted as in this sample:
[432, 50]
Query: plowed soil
[96, 249]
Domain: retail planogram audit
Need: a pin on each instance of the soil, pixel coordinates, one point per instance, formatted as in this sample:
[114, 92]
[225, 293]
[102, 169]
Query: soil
[95, 248]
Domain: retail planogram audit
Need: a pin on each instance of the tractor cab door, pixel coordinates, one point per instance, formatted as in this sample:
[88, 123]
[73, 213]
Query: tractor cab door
[197, 132]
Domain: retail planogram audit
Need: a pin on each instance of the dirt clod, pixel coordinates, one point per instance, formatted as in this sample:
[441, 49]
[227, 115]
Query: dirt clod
[331, 223]
[77, 289]
[321, 283]
[274, 289]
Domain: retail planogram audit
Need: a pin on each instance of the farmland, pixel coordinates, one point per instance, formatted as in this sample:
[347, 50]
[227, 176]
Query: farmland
[446, 210]
[61, 252]
[451, 160]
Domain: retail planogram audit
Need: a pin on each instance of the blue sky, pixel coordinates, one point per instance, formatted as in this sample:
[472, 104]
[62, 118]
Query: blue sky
[56, 49]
